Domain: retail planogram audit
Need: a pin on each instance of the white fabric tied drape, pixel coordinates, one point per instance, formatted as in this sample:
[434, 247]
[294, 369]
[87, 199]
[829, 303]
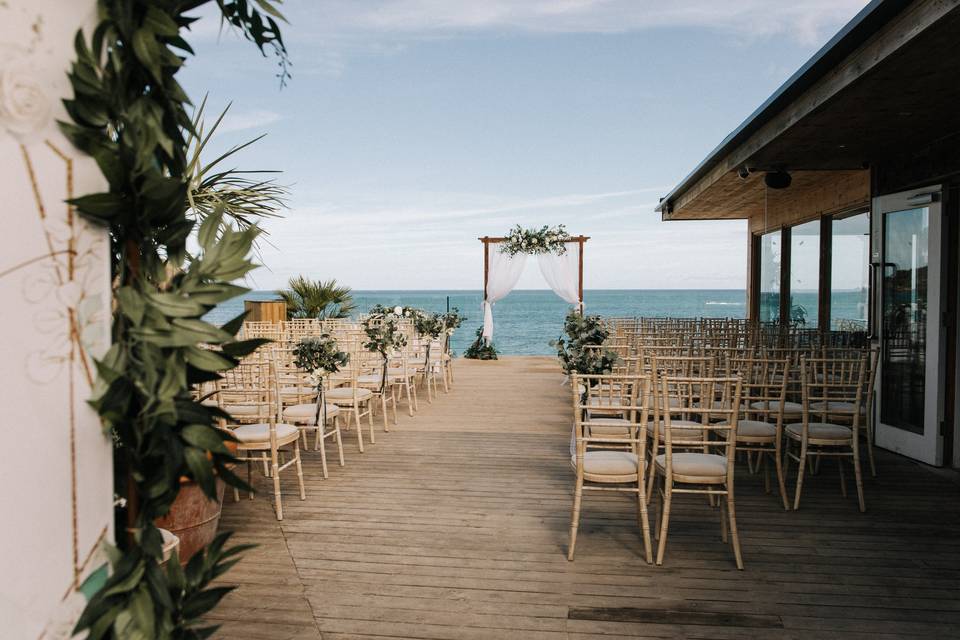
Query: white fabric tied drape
[562, 272]
[503, 273]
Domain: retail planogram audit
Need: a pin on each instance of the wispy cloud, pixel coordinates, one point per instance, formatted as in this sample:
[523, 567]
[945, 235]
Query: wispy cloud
[243, 120]
[805, 20]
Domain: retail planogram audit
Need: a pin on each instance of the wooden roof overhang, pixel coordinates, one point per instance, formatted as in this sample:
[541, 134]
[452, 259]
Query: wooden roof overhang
[888, 82]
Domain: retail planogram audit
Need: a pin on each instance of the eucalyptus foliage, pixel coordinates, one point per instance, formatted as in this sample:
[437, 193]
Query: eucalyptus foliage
[428, 325]
[582, 332]
[319, 355]
[453, 319]
[385, 337]
[130, 114]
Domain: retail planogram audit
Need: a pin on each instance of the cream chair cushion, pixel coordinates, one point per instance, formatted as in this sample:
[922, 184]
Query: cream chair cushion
[298, 391]
[609, 427]
[756, 429]
[345, 394]
[821, 431]
[835, 405]
[701, 465]
[788, 407]
[608, 463]
[307, 413]
[241, 410]
[255, 433]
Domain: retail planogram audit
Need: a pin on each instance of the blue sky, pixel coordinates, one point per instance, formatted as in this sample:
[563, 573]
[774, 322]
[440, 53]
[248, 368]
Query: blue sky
[411, 127]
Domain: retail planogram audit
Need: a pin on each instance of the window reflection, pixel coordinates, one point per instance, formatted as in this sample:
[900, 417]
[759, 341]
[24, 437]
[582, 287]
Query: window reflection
[850, 273]
[804, 274]
[770, 255]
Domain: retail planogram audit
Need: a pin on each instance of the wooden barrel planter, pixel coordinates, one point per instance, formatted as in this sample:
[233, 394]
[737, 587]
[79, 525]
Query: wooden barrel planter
[193, 517]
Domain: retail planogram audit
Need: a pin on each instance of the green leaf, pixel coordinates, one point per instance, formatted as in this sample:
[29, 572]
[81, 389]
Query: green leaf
[207, 360]
[141, 609]
[100, 205]
[243, 348]
[201, 469]
[127, 583]
[131, 304]
[203, 437]
[146, 49]
[208, 332]
[174, 305]
[234, 325]
[160, 23]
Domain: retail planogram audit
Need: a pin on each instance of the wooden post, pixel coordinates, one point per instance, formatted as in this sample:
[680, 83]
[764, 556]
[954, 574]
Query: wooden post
[486, 264]
[580, 284]
[785, 259]
[826, 273]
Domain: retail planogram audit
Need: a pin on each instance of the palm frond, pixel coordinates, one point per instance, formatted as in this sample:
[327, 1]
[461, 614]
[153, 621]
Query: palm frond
[244, 196]
[319, 299]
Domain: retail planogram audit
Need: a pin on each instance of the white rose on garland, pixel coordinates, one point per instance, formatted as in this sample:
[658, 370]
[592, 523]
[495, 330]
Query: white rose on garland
[26, 105]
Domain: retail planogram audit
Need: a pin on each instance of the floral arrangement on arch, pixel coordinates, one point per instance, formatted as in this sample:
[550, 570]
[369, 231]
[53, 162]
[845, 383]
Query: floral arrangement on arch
[546, 239]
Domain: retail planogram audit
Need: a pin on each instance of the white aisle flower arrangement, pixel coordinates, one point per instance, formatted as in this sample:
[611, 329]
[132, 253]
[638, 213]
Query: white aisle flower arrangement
[536, 241]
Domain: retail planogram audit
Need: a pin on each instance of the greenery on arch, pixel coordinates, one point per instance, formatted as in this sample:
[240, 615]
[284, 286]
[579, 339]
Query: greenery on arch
[130, 114]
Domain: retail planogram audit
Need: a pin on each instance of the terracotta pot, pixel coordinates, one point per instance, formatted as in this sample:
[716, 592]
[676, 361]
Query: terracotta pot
[193, 517]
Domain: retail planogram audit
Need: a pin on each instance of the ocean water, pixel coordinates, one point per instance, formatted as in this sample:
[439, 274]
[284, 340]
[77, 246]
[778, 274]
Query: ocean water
[526, 321]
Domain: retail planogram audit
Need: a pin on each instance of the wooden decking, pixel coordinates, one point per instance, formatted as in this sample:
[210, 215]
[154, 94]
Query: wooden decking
[454, 525]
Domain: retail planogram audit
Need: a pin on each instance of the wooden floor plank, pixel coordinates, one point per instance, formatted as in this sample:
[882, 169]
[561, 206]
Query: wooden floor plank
[454, 525]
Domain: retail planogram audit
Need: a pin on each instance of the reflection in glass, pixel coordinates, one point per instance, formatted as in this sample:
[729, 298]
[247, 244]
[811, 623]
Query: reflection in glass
[770, 253]
[904, 317]
[850, 273]
[804, 273]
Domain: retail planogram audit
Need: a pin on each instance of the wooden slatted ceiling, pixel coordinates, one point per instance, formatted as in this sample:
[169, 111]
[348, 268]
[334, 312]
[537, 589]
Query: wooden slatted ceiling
[895, 95]
[454, 525]
[811, 194]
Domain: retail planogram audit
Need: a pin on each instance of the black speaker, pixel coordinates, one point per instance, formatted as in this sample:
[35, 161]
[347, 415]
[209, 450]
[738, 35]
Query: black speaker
[777, 179]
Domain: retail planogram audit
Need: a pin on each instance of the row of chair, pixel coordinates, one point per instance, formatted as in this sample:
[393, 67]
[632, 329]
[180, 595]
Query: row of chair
[677, 427]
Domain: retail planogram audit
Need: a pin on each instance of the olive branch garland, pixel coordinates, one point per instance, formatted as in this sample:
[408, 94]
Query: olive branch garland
[129, 113]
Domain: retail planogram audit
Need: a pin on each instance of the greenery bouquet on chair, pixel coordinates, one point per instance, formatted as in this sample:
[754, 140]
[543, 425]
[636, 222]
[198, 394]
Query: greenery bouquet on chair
[429, 326]
[319, 356]
[579, 352]
[385, 337]
[452, 320]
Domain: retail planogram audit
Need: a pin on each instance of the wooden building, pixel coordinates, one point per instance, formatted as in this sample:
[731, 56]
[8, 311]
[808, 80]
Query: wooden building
[849, 177]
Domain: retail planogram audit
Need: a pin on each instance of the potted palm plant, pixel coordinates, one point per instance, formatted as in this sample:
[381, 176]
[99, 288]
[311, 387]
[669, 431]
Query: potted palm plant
[317, 299]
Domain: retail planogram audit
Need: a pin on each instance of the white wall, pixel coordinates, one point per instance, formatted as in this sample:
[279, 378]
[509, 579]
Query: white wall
[56, 476]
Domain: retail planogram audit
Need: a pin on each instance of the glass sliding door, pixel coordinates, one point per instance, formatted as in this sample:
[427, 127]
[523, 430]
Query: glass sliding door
[850, 273]
[805, 274]
[770, 256]
[910, 381]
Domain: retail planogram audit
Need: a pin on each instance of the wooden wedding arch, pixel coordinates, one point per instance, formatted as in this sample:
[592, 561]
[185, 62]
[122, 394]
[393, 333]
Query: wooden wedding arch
[488, 240]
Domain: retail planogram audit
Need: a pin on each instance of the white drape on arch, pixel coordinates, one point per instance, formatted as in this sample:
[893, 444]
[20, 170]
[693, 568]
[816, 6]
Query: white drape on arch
[562, 272]
[503, 272]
